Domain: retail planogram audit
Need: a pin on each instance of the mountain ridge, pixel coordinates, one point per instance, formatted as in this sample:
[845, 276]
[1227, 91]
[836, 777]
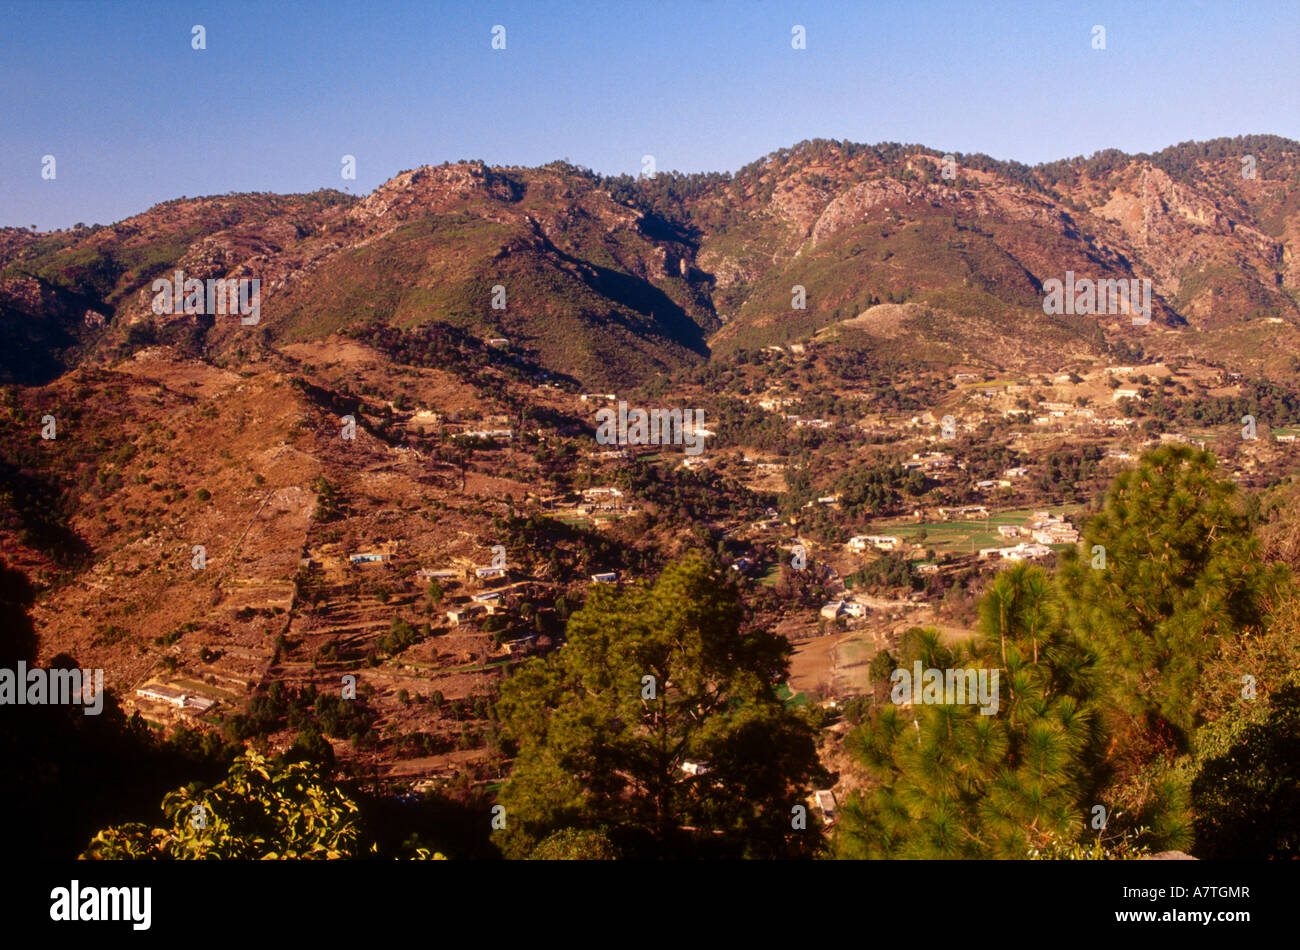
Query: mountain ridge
[611, 280]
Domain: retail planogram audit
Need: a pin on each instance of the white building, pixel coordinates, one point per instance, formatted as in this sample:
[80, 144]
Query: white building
[833, 609]
[881, 542]
[175, 697]
[826, 802]
[1022, 551]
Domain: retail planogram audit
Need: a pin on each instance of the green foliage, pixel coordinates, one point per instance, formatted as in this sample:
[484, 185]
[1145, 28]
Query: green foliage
[593, 752]
[1183, 573]
[310, 746]
[576, 844]
[1247, 798]
[890, 570]
[329, 503]
[259, 811]
[1125, 846]
[401, 634]
[343, 718]
[957, 783]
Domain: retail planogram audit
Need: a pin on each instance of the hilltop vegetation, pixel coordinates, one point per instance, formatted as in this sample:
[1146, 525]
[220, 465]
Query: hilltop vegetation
[611, 280]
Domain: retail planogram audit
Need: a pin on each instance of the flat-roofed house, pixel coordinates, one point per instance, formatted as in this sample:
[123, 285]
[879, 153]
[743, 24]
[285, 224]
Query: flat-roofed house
[826, 804]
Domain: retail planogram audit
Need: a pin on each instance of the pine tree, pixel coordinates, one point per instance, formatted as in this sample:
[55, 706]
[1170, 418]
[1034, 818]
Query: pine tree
[653, 679]
[957, 783]
[1182, 573]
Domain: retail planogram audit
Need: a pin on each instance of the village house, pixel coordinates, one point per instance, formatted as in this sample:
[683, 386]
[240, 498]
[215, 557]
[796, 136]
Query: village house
[1019, 552]
[608, 577]
[832, 610]
[930, 461]
[520, 645]
[966, 511]
[1022, 551]
[460, 615]
[802, 423]
[1126, 394]
[826, 804]
[175, 697]
[487, 573]
[1048, 529]
[860, 543]
[490, 600]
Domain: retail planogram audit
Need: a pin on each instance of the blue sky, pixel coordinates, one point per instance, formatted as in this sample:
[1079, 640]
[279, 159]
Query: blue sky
[134, 116]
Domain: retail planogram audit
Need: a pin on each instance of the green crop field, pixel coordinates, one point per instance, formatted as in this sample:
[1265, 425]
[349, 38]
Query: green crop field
[965, 536]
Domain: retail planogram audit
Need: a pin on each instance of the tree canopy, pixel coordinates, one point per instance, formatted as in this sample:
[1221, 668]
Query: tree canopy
[956, 782]
[659, 719]
[260, 810]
